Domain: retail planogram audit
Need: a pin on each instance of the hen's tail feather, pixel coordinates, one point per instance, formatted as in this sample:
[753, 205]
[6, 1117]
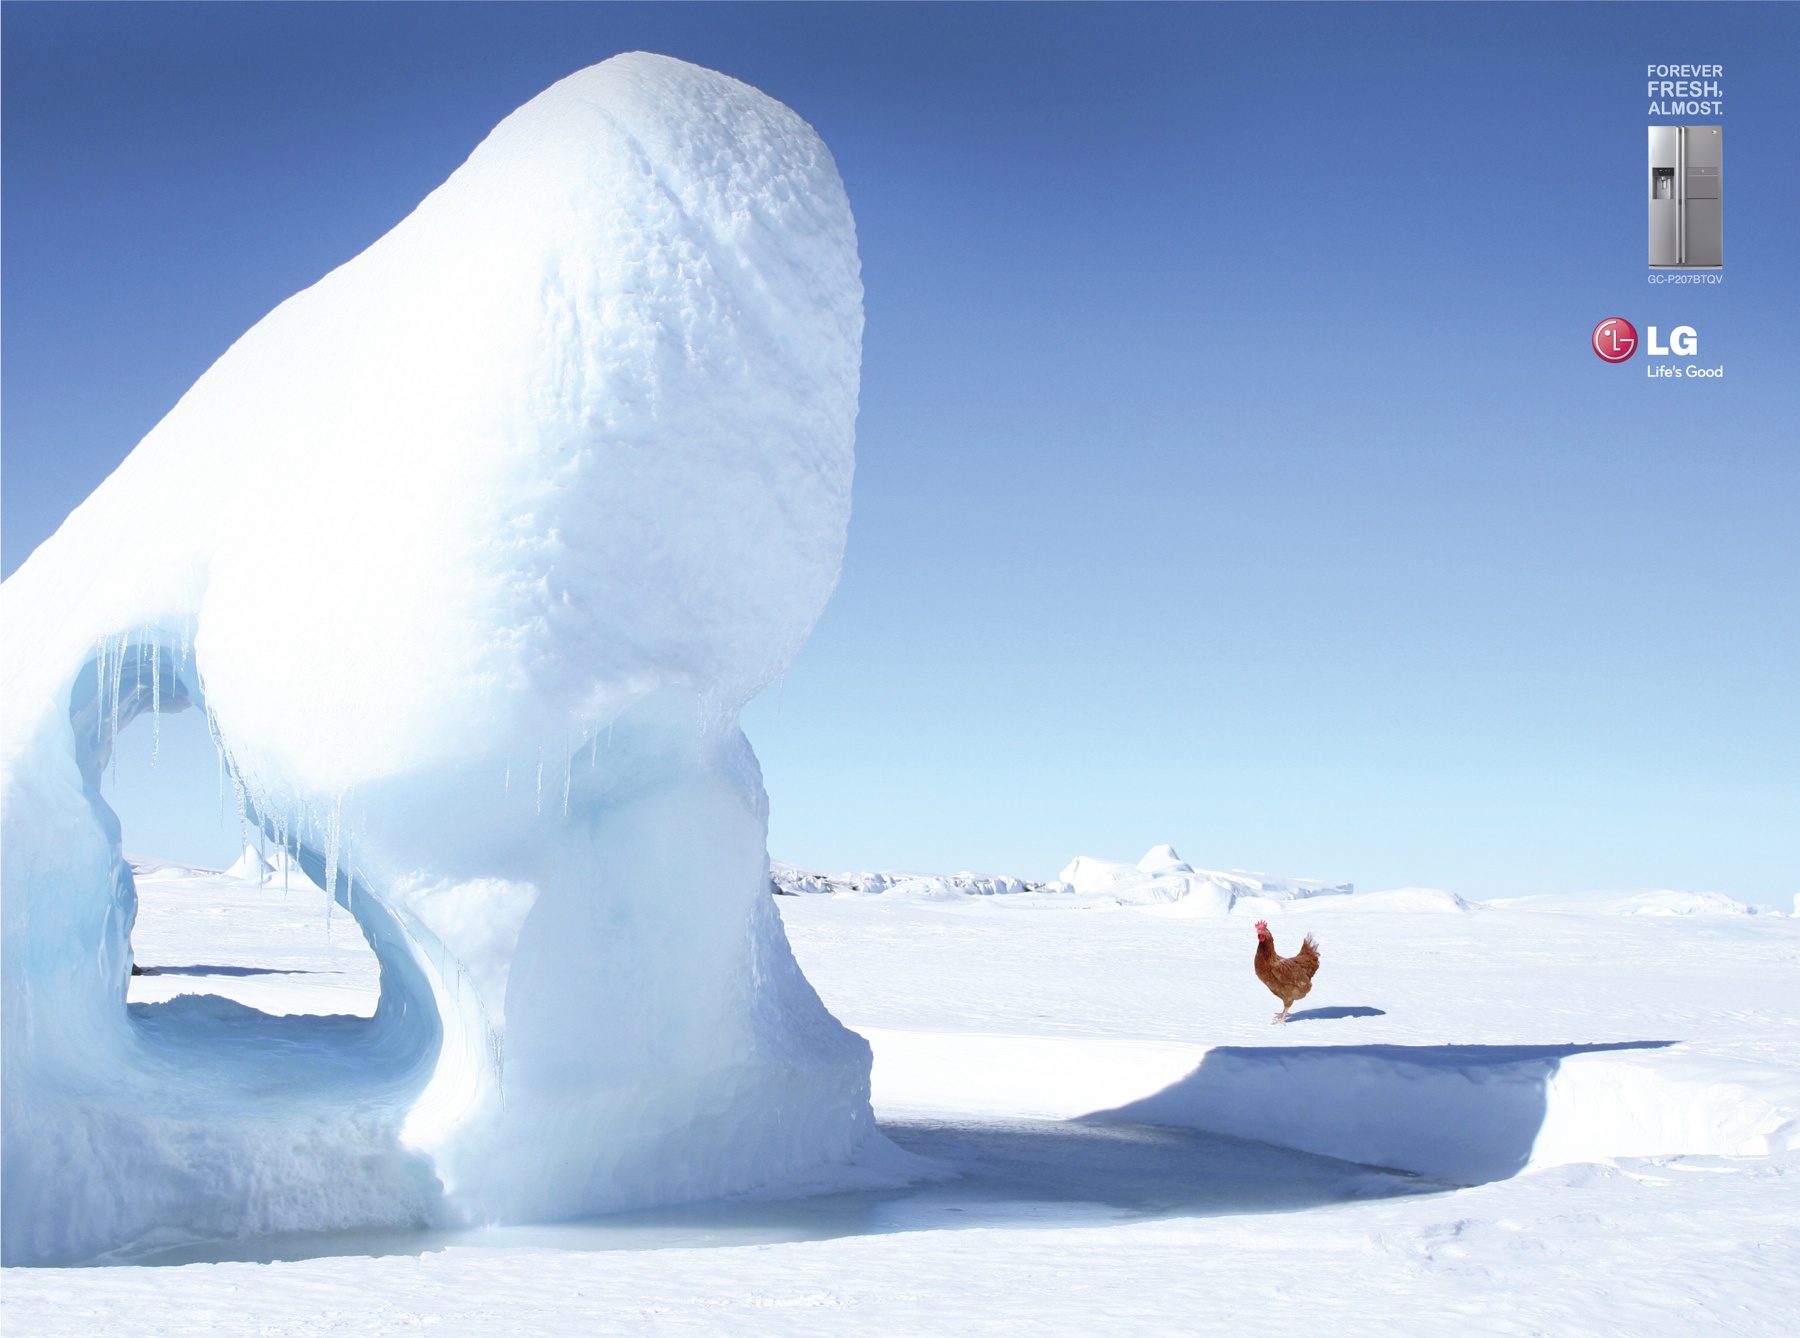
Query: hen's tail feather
[1309, 953]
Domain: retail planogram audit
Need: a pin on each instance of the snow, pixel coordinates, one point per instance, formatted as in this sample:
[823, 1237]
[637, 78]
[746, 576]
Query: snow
[271, 942]
[251, 866]
[1579, 1037]
[1659, 1056]
[1659, 902]
[1646, 1249]
[1431, 900]
[549, 481]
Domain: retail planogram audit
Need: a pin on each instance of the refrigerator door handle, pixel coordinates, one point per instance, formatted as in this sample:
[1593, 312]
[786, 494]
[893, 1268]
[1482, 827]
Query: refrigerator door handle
[1681, 195]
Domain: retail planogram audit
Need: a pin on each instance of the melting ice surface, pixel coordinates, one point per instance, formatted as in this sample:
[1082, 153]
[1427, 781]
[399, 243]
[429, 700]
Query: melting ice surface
[987, 1173]
[550, 481]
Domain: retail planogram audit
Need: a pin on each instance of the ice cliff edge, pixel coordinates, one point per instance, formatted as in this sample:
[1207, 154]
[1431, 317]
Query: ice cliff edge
[550, 480]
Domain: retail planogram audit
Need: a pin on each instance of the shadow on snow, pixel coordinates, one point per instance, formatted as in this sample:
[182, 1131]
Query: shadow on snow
[1334, 1013]
[1467, 1114]
[201, 969]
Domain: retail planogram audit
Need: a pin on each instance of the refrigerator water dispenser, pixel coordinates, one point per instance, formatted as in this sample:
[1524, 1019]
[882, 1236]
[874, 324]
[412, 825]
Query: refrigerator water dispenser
[1687, 169]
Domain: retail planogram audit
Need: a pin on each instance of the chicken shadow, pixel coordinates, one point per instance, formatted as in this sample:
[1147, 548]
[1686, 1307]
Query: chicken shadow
[1333, 1013]
[1466, 1114]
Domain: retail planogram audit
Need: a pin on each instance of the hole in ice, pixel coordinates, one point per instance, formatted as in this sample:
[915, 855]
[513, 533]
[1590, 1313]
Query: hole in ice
[998, 1173]
[258, 936]
[216, 916]
[299, 1018]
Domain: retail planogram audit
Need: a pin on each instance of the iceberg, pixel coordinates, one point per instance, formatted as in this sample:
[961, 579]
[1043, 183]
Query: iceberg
[1162, 879]
[547, 483]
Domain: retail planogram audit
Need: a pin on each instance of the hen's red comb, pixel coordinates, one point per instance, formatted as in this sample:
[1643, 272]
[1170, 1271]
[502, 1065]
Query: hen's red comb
[1262, 924]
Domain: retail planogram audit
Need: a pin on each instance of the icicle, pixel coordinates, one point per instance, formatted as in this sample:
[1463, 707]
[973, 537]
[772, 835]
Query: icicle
[212, 728]
[155, 698]
[237, 790]
[99, 689]
[256, 801]
[568, 776]
[506, 784]
[540, 779]
[118, 686]
[332, 832]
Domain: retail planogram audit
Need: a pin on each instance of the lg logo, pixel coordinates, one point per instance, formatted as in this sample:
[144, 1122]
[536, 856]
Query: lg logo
[1616, 339]
[1683, 343]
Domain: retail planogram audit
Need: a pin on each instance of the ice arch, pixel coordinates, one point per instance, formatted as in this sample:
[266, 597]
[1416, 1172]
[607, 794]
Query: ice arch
[471, 553]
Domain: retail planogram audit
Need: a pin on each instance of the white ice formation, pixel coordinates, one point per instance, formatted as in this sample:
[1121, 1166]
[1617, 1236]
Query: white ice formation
[1161, 879]
[791, 880]
[1661, 901]
[1164, 884]
[548, 482]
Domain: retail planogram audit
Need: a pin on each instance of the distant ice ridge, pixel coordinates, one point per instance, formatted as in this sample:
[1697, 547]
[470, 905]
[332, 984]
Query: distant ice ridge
[1161, 878]
[1165, 884]
[549, 481]
[791, 880]
[1661, 901]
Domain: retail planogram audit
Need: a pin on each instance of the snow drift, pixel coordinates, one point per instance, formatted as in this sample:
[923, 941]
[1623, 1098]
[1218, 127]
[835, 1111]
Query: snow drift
[1662, 901]
[1469, 1114]
[550, 481]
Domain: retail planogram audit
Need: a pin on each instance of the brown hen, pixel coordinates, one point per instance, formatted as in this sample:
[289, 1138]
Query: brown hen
[1288, 978]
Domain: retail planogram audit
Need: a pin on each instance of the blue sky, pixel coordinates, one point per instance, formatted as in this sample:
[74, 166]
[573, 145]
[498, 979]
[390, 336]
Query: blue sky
[1232, 469]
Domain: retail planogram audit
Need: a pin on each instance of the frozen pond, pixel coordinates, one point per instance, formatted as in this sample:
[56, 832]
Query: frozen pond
[996, 1173]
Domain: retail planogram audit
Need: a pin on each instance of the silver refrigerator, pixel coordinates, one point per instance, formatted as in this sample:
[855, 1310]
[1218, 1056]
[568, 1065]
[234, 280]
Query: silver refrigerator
[1687, 228]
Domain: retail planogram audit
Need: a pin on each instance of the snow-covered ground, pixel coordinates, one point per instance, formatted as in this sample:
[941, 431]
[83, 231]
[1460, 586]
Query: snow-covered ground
[1639, 1057]
[270, 939]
